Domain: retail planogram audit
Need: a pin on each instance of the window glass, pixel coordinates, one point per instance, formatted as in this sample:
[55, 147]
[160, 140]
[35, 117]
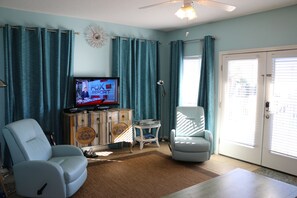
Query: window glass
[190, 81]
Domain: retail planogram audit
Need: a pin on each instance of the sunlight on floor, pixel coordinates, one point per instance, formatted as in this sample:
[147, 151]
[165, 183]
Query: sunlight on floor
[103, 153]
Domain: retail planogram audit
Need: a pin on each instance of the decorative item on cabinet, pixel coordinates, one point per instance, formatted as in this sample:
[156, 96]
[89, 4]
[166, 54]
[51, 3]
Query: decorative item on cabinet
[96, 128]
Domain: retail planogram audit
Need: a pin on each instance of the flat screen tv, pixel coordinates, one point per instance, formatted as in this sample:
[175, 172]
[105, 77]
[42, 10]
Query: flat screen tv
[96, 91]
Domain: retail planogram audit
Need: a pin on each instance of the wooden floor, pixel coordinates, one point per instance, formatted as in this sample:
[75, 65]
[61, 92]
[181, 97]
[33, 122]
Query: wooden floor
[223, 166]
[218, 164]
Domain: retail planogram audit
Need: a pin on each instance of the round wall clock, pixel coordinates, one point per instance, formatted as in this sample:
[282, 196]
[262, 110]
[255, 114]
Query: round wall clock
[95, 36]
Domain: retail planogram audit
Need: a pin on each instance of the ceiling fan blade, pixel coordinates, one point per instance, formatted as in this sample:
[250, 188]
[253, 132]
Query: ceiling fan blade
[226, 7]
[161, 3]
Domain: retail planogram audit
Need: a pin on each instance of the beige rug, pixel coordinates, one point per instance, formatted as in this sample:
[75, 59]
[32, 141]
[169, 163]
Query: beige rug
[150, 174]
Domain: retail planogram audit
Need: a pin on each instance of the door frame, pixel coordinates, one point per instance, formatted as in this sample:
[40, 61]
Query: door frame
[220, 79]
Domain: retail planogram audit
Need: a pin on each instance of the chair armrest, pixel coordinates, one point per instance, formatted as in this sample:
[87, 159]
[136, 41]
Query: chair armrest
[31, 176]
[66, 150]
[172, 137]
[208, 136]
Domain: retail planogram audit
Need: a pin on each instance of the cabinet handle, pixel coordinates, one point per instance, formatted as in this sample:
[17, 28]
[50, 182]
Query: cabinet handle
[123, 116]
[82, 120]
[98, 119]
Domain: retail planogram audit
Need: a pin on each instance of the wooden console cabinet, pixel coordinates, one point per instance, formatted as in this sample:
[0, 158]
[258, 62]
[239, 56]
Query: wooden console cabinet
[98, 127]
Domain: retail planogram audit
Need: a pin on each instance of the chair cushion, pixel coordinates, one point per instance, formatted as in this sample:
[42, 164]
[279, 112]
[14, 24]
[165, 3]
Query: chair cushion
[191, 144]
[190, 121]
[73, 166]
[30, 140]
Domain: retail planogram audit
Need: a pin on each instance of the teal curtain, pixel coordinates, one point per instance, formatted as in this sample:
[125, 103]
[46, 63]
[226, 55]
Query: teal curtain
[136, 62]
[39, 72]
[206, 87]
[176, 65]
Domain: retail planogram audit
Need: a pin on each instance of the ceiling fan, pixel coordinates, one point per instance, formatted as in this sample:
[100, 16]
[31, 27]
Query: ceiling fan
[187, 10]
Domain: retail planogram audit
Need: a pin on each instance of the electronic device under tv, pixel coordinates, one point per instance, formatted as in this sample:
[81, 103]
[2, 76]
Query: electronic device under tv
[96, 92]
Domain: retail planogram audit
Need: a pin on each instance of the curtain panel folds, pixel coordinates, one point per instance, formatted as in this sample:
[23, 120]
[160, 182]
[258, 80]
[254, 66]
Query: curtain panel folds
[176, 65]
[136, 63]
[39, 72]
[206, 87]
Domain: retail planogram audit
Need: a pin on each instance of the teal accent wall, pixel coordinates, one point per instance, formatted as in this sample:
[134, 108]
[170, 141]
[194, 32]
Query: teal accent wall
[88, 61]
[267, 29]
[262, 30]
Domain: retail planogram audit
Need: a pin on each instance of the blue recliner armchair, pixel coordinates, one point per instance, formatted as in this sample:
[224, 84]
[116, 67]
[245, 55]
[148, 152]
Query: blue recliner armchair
[190, 141]
[42, 170]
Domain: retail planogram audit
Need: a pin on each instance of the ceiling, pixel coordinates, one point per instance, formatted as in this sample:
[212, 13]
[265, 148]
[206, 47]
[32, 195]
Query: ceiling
[127, 12]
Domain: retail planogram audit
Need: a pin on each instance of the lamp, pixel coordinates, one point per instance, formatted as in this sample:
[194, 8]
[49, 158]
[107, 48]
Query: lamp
[2, 84]
[161, 83]
[186, 11]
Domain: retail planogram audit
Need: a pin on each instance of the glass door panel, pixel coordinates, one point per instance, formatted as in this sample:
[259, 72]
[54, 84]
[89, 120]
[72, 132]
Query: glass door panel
[242, 107]
[280, 137]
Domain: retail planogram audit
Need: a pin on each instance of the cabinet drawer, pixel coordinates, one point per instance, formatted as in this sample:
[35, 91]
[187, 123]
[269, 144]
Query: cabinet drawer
[125, 115]
[112, 116]
[81, 119]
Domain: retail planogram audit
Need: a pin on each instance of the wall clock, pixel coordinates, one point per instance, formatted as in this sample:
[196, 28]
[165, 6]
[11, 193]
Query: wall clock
[95, 36]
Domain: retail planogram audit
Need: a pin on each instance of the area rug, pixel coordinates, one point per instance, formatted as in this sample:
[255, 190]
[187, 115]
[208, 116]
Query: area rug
[150, 174]
[290, 179]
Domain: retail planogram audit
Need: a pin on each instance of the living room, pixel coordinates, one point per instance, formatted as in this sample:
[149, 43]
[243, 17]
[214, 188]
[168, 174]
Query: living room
[271, 29]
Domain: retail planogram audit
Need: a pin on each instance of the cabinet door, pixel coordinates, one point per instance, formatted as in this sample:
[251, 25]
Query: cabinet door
[102, 129]
[95, 124]
[112, 120]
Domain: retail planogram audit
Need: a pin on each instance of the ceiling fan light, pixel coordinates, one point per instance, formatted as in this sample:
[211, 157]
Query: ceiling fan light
[186, 12]
[180, 13]
[230, 8]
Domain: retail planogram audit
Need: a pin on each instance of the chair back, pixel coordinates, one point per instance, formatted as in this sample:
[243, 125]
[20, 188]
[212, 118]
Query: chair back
[26, 141]
[190, 121]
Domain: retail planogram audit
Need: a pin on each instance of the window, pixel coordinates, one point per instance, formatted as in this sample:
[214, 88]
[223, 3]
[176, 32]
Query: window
[190, 81]
[284, 106]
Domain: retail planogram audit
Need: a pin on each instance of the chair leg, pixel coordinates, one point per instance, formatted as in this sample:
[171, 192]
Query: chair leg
[169, 145]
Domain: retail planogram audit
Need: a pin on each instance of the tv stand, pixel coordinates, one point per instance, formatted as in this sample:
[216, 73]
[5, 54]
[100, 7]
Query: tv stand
[94, 128]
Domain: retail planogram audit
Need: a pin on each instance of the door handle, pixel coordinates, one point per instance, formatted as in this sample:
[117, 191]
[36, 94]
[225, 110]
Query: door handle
[267, 116]
[267, 104]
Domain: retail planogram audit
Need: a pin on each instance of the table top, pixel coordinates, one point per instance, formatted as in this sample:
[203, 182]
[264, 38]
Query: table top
[147, 123]
[239, 183]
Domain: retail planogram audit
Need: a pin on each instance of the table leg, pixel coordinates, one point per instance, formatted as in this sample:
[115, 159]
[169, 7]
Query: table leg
[141, 139]
[157, 137]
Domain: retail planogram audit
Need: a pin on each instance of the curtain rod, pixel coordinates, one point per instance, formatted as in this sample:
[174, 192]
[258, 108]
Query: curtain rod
[34, 28]
[124, 37]
[195, 40]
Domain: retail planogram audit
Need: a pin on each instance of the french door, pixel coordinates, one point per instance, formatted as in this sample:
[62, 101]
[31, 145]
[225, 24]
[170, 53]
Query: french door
[242, 106]
[259, 109]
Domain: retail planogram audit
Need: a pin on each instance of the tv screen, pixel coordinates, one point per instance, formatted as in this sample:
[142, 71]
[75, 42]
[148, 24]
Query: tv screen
[96, 91]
